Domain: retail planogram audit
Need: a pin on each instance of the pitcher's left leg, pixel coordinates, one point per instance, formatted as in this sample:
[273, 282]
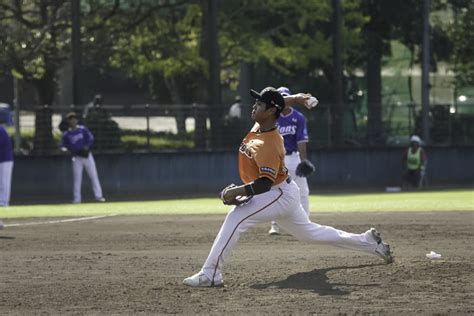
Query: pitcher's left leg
[262, 208]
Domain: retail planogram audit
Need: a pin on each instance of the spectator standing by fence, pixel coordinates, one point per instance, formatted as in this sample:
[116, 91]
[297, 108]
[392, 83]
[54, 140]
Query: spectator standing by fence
[415, 162]
[235, 111]
[6, 166]
[78, 140]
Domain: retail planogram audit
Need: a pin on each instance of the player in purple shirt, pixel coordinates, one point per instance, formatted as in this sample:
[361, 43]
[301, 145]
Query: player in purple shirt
[78, 140]
[292, 126]
[6, 167]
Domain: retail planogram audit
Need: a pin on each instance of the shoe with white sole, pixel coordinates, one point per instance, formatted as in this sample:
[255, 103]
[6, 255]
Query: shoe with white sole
[383, 249]
[274, 230]
[201, 280]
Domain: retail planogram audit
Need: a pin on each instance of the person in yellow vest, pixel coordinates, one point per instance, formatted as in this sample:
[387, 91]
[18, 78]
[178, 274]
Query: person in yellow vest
[415, 160]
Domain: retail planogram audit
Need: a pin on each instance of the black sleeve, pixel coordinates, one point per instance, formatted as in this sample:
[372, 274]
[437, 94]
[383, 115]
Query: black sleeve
[259, 186]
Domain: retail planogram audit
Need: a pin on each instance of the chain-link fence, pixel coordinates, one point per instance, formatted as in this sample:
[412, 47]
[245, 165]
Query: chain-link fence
[449, 124]
[153, 127]
[116, 128]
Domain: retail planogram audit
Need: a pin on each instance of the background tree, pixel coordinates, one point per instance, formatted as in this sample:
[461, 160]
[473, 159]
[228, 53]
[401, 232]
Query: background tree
[461, 34]
[294, 40]
[399, 20]
[165, 48]
[163, 45]
[35, 41]
[291, 37]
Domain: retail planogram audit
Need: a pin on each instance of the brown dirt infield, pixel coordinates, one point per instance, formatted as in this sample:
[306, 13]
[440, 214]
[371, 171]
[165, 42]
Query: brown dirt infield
[135, 265]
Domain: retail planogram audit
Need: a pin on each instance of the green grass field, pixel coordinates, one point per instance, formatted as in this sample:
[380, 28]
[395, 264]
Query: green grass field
[458, 200]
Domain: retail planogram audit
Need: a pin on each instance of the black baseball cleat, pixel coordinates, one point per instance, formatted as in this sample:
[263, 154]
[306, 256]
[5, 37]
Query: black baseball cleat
[382, 250]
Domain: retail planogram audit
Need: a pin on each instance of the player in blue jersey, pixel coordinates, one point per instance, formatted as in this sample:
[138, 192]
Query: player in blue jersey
[6, 167]
[78, 140]
[292, 126]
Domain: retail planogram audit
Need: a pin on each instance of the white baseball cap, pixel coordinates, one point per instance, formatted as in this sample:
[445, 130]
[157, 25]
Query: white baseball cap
[415, 139]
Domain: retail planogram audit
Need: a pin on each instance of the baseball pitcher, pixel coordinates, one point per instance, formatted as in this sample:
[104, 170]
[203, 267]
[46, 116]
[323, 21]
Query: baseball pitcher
[78, 140]
[275, 196]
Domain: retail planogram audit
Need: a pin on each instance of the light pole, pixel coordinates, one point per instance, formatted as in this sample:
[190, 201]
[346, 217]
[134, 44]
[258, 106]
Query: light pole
[425, 75]
[16, 120]
[214, 74]
[76, 52]
[338, 106]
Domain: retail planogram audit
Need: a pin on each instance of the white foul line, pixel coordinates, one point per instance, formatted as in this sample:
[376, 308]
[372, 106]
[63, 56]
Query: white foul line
[78, 219]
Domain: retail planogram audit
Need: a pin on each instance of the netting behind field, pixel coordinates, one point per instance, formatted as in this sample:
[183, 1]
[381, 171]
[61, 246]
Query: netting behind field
[116, 128]
[151, 128]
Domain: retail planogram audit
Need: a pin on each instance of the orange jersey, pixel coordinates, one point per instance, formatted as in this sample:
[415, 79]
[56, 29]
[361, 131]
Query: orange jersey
[262, 155]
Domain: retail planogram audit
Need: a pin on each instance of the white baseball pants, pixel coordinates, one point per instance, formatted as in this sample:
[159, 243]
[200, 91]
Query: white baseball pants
[6, 169]
[282, 204]
[78, 165]
[291, 162]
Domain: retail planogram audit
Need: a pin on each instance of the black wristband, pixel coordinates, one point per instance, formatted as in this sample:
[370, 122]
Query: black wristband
[259, 186]
[249, 189]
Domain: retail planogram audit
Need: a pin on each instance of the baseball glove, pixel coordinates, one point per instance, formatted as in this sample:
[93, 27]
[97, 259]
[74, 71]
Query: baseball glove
[63, 126]
[238, 200]
[305, 168]
[84, 153]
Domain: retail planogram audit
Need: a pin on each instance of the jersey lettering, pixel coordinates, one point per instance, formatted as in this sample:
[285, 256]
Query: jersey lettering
[293, 129]
[244, 149]
[287, 130]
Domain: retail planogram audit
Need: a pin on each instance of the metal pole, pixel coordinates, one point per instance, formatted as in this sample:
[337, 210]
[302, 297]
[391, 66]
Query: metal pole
[409, 118]
[338, 108]
[328, 114]
[76, 52]
[147, 107]
[214, 74]
[245, 84]
[425, 76]
[16, 107]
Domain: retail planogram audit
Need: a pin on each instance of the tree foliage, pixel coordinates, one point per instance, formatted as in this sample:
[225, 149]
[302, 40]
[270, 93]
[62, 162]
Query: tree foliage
[289, 36]
[164, 47]
[163, 44]
[461, 31]
[36, 42]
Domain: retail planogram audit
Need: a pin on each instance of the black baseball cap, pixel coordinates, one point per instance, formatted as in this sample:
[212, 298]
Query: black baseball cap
[269, 96]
